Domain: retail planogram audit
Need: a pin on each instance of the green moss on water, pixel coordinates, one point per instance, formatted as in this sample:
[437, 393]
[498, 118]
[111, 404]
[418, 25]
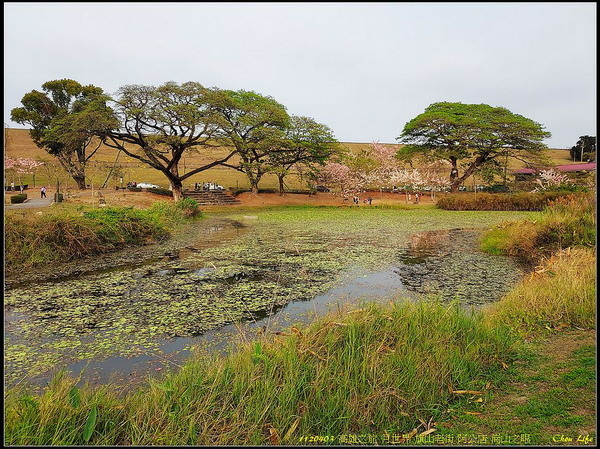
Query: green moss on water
[286, 254]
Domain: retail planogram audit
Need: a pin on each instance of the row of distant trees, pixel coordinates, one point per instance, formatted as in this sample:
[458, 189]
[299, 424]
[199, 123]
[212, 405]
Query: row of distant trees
[160, 125]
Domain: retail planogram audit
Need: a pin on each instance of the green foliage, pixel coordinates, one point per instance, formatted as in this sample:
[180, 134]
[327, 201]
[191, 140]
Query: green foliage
[568, 188]
[254, 125]
[19, 198]
[306, 143]
[63, 120]
[472, 135]
[189, 207]
[584, 150]
[159, 191]
[90, 424]
[159, 125]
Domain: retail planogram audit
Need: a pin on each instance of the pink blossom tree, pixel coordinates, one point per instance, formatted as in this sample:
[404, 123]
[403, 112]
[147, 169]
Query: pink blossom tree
[338, 175]
[21, 166]
[549, 179]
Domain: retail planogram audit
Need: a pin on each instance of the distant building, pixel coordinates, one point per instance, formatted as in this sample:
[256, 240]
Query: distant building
[524, 174]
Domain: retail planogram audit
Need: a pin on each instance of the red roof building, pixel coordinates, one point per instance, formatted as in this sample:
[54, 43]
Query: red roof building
[587, 166]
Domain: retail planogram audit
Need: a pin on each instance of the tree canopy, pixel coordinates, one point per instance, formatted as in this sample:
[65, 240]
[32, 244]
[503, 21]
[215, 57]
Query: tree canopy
[64, 119]
[307, 144]
[470, 136]
[584, 149]
[254, 125]
[157, 125]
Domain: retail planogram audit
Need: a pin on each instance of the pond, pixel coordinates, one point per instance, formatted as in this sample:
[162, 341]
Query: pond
[231, 275]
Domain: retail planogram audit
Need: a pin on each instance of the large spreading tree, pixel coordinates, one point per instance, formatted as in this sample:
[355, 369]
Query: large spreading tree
[470, 136]
[254, 126]
[64, 120]
[159, 125]
[307, 144]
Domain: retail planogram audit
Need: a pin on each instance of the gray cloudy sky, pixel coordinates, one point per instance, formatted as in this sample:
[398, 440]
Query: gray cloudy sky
[364, 69]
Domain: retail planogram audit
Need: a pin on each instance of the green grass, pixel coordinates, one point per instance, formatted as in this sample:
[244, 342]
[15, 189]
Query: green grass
[71, 233]
[377, 371]
[583, 373]
[567, 222]
[541, 401]
[381, 370]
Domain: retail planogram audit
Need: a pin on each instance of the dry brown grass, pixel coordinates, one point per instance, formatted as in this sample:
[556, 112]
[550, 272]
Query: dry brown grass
[19, 144]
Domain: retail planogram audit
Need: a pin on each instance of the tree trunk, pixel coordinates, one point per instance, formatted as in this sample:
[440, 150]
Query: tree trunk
[281, 188]
[454, 179]
[175, 182]
[80, 180]
[254, 179]
[177, 189]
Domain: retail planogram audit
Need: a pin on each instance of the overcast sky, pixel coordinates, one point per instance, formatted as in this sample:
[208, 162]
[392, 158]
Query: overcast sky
[363, 69]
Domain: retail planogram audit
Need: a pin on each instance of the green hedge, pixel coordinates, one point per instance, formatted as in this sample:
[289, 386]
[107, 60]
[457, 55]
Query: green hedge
[19, 198]
[165, 192]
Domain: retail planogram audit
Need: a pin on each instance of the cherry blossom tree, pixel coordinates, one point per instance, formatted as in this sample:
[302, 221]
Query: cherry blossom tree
[21, 166]
[549, 179]
[338, 175]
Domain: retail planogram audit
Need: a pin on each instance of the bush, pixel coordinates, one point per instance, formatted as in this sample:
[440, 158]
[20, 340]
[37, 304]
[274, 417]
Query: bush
[159, 191]
[496, 188]
[498, 201]
[134, 189]
[19, 198]
[51, 238]
[189, 207]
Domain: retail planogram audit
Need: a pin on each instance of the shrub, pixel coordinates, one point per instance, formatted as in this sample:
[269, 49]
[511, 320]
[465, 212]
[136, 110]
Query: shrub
[19, 198]
[498, 201]
[134, 189]
[189, 207]
[159, 191]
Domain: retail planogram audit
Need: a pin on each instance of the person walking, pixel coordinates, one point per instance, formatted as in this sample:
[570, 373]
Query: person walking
[43, 192]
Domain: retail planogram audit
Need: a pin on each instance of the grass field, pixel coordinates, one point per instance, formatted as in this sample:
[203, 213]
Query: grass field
[19, 144]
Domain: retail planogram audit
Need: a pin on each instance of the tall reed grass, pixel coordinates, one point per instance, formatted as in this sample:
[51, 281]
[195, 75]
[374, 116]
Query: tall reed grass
[374, 371]
[34, 239]
[559, 293]
[567, 222]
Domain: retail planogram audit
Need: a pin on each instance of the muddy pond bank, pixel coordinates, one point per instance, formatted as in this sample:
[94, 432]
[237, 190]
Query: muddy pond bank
[136, 315]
